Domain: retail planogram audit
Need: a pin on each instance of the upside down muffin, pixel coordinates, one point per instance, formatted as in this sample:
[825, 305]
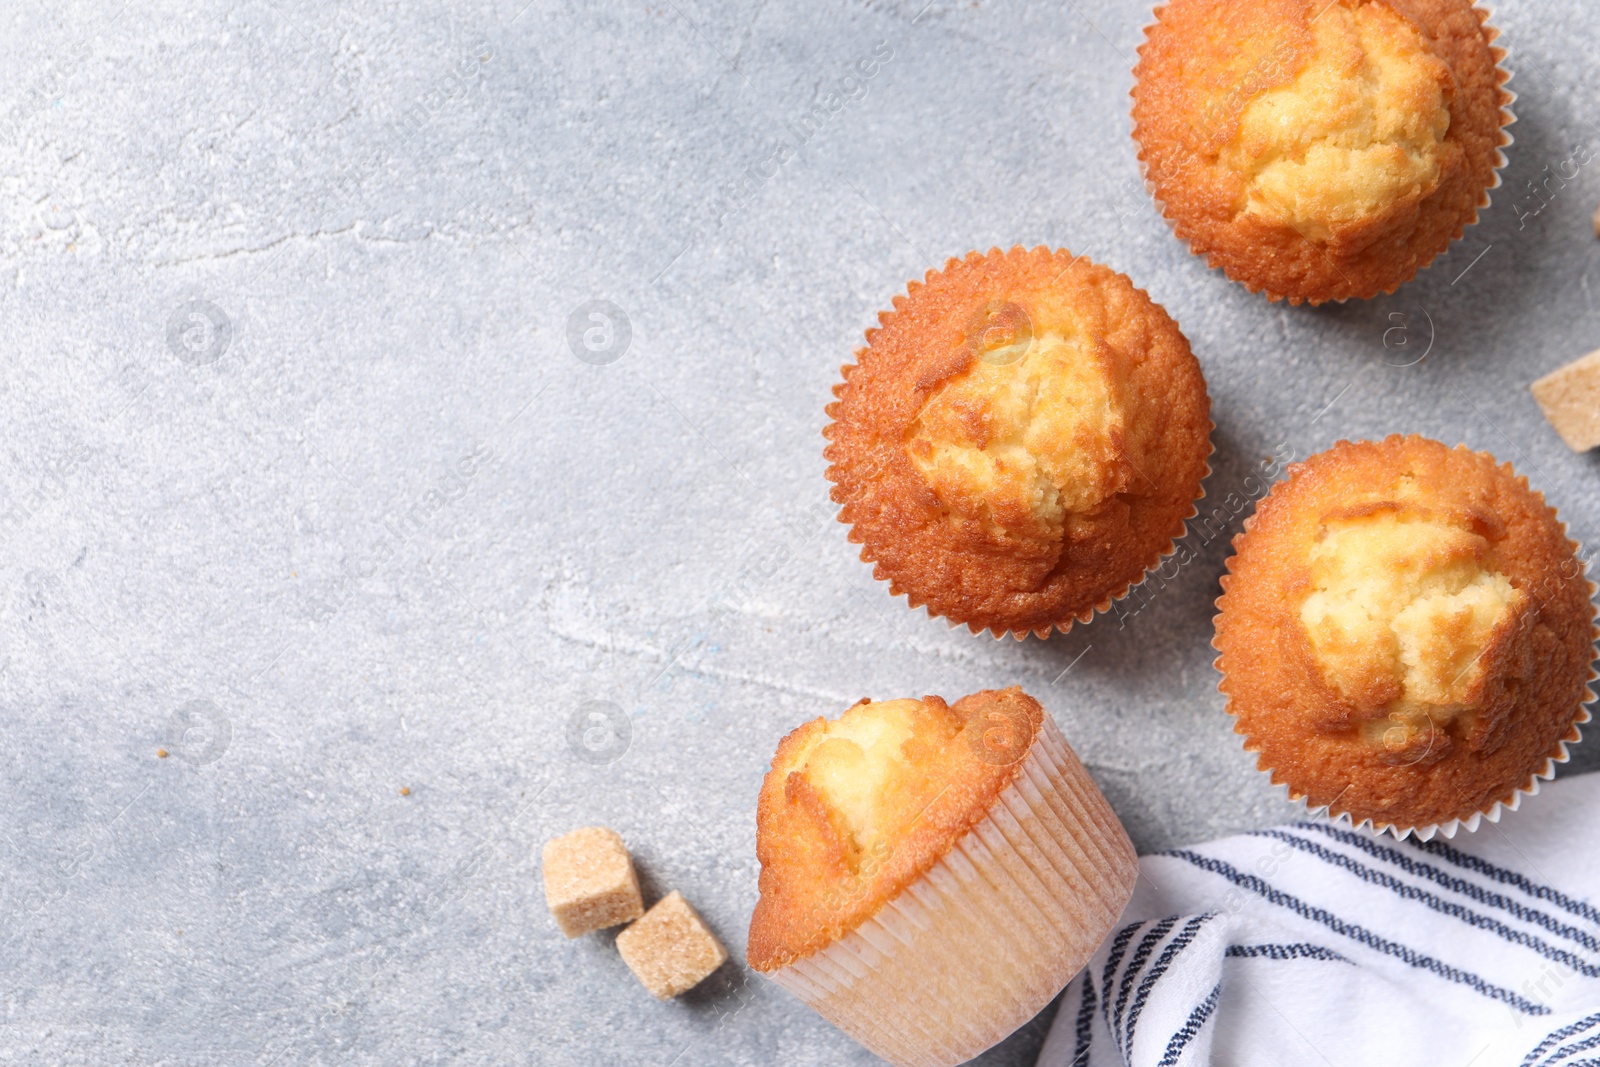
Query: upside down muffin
[1319, 150]
[933, 874]
[1022, 438]
[1405, 635]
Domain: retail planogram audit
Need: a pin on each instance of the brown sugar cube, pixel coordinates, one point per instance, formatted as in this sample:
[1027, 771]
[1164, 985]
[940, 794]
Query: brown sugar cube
[670, 950]
[589, 881]
[1570, 399]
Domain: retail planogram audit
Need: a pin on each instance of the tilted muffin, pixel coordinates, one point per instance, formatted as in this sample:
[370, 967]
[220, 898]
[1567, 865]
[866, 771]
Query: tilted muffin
[1320, 150]
[933, 874]
[1406, 635]
[1021, 439]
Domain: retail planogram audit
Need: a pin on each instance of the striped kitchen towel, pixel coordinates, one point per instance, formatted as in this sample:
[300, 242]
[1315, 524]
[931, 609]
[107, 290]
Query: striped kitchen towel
[1316, 944]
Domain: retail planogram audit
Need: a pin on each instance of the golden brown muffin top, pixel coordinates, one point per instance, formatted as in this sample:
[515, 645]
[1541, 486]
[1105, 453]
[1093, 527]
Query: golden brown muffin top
[1405, 632]
[856, 809]
[1022, 437]
[1320, 150]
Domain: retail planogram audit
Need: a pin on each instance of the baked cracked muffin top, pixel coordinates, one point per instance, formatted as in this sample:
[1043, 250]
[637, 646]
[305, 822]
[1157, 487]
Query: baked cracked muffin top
[1022, 438]
[856, 809]
[1320, 150]
[1405, 633]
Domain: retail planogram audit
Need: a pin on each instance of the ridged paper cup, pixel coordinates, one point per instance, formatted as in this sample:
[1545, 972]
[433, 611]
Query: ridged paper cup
[987, 937]
[1448, 829]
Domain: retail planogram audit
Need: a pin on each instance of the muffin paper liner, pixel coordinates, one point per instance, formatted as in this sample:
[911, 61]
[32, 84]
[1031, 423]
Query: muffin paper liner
[1499, 52]
[1508, 117]
[986, 938]
[1448, 829]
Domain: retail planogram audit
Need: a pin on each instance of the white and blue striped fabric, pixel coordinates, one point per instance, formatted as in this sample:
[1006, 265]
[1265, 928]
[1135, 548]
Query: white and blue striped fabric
[1316, 944]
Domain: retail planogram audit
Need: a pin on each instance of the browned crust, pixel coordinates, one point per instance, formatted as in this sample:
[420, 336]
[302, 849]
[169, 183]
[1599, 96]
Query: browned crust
[1536, 676]
[903, 527]
[1201, 64]
[810, 895]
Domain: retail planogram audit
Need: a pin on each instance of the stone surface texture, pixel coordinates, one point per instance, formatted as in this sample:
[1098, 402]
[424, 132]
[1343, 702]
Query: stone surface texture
[428, 396]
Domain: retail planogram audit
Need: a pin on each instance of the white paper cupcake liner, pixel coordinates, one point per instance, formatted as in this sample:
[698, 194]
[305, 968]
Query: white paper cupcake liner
[1502, 62]
[1471, 822]
[992, 932]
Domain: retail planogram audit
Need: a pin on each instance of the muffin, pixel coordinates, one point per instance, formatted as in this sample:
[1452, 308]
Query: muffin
[1022, 438]
[933, 874]
[1405, 635]
[1320, 150]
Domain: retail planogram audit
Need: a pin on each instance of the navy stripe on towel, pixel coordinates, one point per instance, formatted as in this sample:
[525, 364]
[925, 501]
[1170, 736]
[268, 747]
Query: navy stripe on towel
[1505, 877]
[1084, 1033]
[1573, 1049]
[1298, 951]
[1459, 885]
[1559, 1036]
[1119, 945]
[1136, 963]
[1157, 969]
[1406, 891]
[1197, 1019]
[1358, 933]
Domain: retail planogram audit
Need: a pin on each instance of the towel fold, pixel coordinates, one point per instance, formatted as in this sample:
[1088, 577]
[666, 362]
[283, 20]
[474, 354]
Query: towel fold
[1312, 943]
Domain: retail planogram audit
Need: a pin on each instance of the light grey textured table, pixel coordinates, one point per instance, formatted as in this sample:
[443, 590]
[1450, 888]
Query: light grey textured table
[321, 474]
